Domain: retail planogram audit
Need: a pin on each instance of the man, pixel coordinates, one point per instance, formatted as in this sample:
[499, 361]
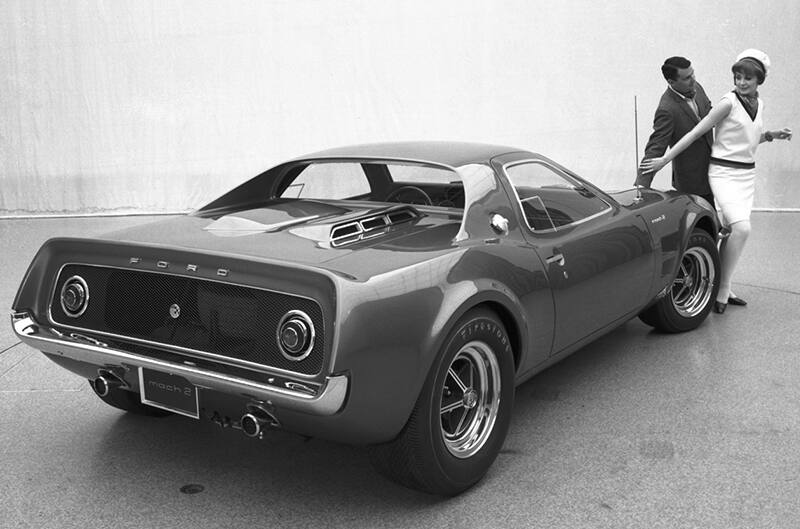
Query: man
[681, 107]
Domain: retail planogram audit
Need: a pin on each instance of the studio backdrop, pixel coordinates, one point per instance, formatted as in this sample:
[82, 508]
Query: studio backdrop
[160, 105]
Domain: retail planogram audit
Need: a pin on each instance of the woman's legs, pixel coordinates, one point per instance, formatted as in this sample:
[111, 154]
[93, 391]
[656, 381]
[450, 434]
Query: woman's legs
[731, 251]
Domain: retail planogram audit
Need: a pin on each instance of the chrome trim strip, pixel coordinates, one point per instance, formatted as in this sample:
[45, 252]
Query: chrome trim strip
[235, 362]
[328, 401]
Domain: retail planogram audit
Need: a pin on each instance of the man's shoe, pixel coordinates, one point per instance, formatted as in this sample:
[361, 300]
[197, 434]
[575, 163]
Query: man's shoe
[733, 300]
[720, 307]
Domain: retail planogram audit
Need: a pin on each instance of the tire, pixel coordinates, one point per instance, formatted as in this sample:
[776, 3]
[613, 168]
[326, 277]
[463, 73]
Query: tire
[693, 291]
[128, 401]
[462, 415]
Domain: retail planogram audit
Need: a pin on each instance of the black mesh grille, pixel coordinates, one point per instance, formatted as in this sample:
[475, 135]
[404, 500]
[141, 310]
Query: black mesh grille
[226, 320]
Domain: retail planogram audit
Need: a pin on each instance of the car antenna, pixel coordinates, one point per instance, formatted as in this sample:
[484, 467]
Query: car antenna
[636, 148]
[636, 128]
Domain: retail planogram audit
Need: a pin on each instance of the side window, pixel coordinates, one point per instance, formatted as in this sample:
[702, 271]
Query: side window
[329, 180]
[551, 199]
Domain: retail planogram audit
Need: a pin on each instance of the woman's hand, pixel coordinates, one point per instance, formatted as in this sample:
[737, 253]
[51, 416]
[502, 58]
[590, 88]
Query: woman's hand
[783, 134]
[652, 165]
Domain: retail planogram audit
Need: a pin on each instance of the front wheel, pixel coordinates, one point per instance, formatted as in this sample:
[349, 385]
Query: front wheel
[694, 289]
[462, 415]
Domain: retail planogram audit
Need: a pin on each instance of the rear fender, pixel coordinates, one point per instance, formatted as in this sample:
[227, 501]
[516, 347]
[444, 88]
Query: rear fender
[389, 343]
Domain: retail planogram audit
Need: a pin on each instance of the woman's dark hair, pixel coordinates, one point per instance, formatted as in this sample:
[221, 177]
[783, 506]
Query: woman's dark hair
[752, 67]
[671, 66]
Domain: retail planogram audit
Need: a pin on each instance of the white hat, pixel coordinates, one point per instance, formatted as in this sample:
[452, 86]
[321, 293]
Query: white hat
[758, 55]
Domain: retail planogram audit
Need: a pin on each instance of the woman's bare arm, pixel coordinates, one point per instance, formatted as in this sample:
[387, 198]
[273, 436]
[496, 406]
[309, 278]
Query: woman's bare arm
[705, 124]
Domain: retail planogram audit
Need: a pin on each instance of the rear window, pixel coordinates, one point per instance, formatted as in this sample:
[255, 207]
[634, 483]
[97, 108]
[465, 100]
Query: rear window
[373, 181]
[329, 180]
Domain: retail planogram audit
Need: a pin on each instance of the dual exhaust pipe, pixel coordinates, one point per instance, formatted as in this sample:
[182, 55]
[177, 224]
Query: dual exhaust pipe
[253, 426]
[257, 419]
[103, 384]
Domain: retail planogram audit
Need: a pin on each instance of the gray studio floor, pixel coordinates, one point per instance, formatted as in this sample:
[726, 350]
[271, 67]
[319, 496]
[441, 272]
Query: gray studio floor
[639, 429]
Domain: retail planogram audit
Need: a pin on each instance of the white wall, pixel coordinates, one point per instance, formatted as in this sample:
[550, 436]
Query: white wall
[158, 105]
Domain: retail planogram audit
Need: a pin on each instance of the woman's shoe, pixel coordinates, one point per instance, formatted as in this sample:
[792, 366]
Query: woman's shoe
[720, 307]
[733, 300]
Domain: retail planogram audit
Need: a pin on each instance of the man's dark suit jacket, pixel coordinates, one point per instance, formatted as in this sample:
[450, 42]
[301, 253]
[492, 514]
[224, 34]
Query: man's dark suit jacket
[674, 118]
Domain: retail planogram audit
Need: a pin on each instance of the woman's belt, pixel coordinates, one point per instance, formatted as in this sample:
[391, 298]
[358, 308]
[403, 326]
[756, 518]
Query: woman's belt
[731, 163]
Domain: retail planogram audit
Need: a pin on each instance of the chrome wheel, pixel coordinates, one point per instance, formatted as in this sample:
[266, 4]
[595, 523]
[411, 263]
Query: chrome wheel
[462, 414]
[470, 399]
[694, 284]
[688, 300]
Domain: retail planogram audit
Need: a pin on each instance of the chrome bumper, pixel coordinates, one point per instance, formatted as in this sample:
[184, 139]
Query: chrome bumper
[328, 401]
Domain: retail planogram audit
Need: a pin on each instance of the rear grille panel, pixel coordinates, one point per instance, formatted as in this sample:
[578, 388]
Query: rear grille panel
[229, 321]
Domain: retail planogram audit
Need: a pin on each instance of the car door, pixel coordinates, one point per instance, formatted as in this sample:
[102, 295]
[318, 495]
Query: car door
[598, 256]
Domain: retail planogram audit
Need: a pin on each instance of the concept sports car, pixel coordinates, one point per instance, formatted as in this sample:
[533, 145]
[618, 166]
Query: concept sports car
[388, 295]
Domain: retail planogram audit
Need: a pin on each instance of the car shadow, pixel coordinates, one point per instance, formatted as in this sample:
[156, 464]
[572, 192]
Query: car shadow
[174, 453]
[287, 472]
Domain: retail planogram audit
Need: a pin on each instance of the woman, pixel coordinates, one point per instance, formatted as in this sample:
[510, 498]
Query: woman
[731, 173]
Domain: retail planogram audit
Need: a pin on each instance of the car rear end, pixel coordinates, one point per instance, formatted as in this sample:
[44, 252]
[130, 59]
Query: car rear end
[228, 339]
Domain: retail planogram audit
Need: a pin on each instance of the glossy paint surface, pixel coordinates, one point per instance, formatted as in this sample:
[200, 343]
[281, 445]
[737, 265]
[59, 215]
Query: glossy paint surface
[390, 300]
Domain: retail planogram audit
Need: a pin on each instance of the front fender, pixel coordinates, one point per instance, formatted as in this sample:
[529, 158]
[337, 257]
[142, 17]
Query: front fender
[671, 223]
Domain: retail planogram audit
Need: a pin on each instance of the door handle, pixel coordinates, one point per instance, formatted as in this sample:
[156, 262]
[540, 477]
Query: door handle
[556, 258]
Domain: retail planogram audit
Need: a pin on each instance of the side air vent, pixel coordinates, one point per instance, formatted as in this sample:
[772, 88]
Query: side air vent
[371, 226]
[375, 223]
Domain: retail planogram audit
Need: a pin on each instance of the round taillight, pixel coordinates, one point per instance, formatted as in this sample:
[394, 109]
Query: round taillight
[295, 335]
[74, 296]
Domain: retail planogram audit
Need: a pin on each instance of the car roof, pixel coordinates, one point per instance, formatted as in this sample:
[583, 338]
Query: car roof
[451, 153]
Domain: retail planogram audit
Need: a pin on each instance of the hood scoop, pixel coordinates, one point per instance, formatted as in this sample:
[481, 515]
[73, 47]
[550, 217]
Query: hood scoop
[371, 226]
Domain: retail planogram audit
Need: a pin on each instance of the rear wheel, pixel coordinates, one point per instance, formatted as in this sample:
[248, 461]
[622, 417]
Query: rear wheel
[693, 291]
[126, 400]
[462, 415]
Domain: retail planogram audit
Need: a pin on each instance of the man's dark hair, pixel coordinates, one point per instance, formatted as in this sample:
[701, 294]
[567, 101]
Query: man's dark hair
[672, 65]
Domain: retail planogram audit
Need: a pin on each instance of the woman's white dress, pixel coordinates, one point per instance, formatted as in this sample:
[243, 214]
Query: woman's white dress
[732, 172]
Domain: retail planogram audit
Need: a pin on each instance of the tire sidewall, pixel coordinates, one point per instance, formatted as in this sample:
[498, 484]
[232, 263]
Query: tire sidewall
[701, 239]
[664, 315]
[475, 326]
